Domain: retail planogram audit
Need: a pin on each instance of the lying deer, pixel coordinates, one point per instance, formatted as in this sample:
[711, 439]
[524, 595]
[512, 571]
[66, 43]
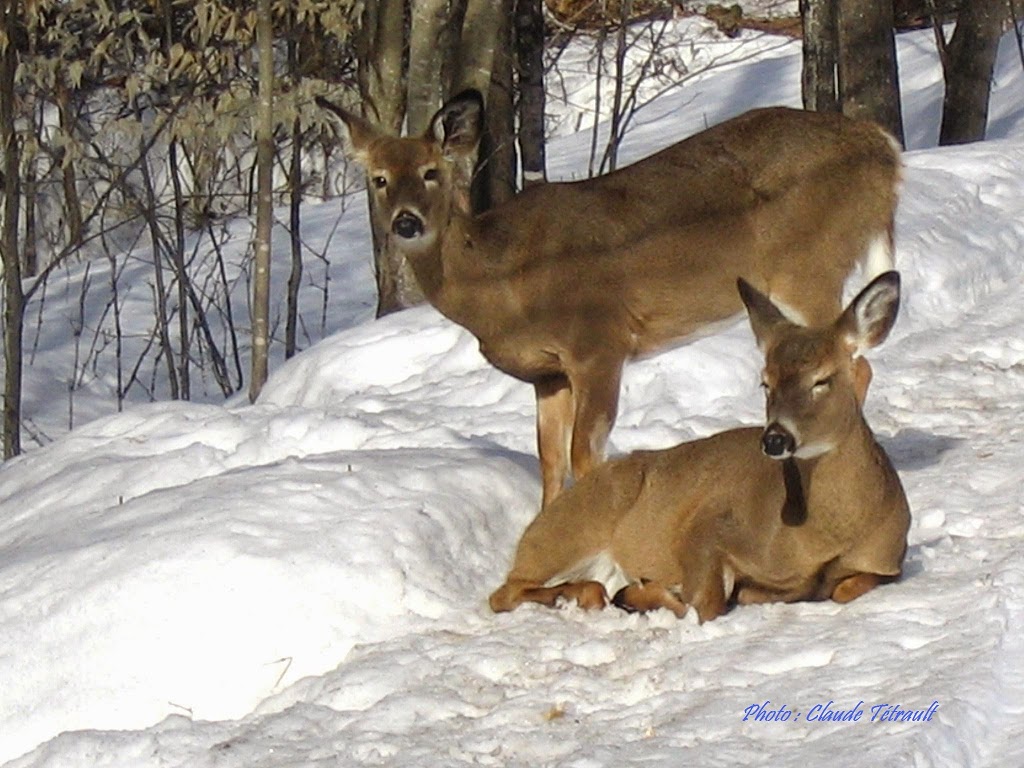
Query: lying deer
[808, 508]
[566, 281]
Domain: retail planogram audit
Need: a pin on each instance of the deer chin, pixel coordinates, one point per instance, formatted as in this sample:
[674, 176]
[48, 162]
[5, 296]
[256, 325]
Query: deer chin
[797, 448]
[813, 450]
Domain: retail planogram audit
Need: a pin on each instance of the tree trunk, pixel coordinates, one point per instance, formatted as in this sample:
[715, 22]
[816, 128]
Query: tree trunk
[381, 54]
[486, 22]
[868, 78]
[820, 43]
[177, 246]
[69, 179]
[496, 174]
[264, 199]
[30, 248]
[160, 290]
[529, 43]
[294, 214]
[291, 330]
[14, 296]
[484, 63]
[429, 33]
[178, 243]
[970, 62]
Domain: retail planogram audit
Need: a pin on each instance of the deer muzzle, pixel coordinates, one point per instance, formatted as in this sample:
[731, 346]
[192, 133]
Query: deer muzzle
[407, 225]
[778, 442]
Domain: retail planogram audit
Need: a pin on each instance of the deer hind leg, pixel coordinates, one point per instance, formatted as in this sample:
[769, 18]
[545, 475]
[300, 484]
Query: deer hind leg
[510, 595]
[555, 408]
[854, 586]
[596, 392]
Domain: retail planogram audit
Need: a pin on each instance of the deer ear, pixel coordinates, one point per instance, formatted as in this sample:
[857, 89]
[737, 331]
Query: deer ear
[358, 134]
[458, 124]
[866, 322]
[765, 317]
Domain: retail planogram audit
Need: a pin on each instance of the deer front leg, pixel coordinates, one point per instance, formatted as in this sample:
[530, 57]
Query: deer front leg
[554, 433]
[588, 595]
[596, 392]
[710, 599]
[646, 595]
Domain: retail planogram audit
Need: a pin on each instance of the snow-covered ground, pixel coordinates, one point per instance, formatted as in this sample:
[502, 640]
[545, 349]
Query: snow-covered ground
[303, 582]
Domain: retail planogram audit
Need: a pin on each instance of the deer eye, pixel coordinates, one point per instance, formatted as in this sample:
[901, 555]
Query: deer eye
[379, 181]
[822, 385]
[430, 174]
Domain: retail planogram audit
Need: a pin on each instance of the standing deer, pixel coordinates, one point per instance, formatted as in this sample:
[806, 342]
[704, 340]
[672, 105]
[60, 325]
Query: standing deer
[566, 281]
[808, 508]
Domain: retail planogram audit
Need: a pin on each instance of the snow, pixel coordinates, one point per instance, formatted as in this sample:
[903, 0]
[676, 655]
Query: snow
[303, 582]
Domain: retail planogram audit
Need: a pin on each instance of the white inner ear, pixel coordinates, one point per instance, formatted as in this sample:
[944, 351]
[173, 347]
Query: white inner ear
[438, 129]
[858, 338]
[869, 314]
[870, 311]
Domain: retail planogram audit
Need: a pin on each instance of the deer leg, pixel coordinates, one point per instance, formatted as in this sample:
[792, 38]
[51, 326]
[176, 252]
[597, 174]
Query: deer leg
[752, 595]
[646, 595]
[588, 595]
[554, 433]
[711, 582]
[854, 586]
[596, 391]
[711, 601]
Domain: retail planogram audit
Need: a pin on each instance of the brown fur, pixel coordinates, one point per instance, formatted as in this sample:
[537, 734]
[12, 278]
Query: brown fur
[566, 281]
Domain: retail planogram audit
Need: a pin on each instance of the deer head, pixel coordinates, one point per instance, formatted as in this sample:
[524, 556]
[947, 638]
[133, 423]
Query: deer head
[416, 182]
[811, 375]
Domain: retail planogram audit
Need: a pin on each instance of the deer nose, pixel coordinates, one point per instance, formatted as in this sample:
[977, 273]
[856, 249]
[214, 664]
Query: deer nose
[777, 442]
[407, 225]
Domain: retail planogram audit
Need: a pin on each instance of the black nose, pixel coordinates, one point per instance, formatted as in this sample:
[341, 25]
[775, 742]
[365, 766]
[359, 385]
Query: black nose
[777, 442]
[407, 225]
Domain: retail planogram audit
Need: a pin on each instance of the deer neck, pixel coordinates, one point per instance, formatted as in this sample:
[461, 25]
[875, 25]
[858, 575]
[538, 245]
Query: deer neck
[455, 269]
[819, 489]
